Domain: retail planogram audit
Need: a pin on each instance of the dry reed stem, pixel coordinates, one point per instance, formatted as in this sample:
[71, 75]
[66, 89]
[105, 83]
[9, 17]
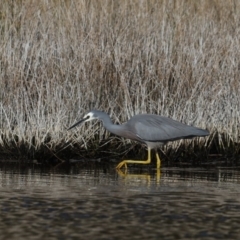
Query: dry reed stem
[60, 59]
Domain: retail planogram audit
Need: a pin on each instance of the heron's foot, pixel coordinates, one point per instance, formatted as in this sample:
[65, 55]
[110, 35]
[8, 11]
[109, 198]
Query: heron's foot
[124, 162]
[122, 173]
[121, 164]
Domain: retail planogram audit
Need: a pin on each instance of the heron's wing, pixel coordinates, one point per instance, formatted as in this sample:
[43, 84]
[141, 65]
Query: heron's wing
[156, 128]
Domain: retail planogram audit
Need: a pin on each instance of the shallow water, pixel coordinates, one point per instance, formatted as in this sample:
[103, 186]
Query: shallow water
[76, 203]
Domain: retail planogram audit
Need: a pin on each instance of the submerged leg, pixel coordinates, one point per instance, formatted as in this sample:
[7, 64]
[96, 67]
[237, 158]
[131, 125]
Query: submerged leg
[158, 161]
[124, 162]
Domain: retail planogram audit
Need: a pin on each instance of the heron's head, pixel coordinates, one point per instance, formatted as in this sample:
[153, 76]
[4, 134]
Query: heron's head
[90, 116]
[94, 114]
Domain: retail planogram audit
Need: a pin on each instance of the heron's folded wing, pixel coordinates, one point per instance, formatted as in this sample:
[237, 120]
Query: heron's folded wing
[157, 128]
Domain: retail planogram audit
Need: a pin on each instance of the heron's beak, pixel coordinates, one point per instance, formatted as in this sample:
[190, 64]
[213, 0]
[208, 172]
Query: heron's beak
[81, 121]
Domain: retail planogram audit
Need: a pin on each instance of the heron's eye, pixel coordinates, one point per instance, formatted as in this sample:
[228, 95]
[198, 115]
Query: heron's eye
[88, 117]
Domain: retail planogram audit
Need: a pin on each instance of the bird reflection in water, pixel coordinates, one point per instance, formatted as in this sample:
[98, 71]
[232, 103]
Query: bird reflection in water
[149, 177]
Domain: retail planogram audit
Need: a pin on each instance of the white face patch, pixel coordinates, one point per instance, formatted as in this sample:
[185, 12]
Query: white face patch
[89, 117]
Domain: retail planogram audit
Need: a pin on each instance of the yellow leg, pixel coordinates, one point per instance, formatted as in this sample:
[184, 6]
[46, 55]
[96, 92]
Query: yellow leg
[158, 175]
[124, 162]
[158, 161]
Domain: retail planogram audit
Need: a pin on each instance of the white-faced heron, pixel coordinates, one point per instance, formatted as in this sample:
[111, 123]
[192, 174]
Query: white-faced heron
[153, 130]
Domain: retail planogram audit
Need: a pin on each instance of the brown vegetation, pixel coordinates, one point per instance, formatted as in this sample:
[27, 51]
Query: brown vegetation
[59, 59]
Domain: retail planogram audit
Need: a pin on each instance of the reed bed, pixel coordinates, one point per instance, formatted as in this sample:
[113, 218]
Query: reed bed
[59, 59]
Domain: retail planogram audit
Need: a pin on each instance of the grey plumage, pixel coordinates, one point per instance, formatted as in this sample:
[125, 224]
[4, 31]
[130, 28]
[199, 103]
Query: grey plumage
[153, 130]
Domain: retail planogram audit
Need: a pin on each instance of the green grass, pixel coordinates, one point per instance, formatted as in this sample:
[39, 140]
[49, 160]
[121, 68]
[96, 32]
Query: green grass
[59, 59]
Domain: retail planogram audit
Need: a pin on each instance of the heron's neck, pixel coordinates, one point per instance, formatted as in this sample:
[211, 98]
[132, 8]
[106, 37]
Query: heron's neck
[108, 124]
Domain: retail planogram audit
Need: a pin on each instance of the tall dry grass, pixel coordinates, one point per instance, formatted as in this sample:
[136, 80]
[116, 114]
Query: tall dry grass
[59, 59]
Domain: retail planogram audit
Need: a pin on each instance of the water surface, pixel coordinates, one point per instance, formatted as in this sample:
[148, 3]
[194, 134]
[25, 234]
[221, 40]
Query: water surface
[95, 203]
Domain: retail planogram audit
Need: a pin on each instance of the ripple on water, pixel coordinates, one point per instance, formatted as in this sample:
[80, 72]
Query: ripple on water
[97, 204]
